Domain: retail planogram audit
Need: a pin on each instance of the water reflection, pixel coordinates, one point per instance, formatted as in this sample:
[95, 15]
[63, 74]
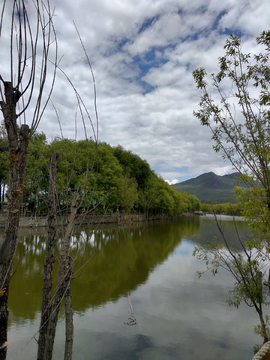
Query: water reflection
[178, 316]
[121, 259]
[124, 259]
[208, 232]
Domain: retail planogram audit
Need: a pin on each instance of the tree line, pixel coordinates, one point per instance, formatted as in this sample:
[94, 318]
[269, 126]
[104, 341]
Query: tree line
[107, 177]
[226, 208]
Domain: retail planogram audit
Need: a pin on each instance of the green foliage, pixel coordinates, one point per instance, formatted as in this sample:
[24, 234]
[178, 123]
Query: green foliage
[148, 197]
[37, 174]
[226, 209]
[133, 166]
[194, 203]
[244, 142]
[127, 194]
[247, 267]
[258, 329]
[165, 201]
[105, 177]
[243, 138]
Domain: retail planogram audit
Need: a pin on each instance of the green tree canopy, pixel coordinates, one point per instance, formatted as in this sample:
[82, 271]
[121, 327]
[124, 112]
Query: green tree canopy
[133, 166]
[104, 176]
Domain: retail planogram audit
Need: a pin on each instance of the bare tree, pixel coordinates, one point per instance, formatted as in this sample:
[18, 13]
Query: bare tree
[32, 50]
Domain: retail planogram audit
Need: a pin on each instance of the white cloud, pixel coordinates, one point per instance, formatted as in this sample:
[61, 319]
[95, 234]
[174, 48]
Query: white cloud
[119, 36]
[174, 181]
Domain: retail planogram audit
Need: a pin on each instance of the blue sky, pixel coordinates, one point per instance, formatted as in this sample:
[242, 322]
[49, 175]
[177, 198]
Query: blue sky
[143, 53]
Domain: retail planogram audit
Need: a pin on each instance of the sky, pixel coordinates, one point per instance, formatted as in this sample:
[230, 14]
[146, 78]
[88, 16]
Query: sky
[142, 54]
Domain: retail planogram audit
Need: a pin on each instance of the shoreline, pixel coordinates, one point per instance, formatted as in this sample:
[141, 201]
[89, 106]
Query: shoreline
[90, 219]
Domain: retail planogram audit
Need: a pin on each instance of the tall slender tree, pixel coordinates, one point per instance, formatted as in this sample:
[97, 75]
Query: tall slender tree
[239, 123]
[29, 27]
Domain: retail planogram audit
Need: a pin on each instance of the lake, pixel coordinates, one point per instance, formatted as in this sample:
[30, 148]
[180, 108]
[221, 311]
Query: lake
[151, 267]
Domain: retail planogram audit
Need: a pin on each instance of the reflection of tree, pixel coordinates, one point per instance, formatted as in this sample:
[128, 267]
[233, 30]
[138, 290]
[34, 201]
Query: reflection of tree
[208, 232]
[26, 292]
[124, 258]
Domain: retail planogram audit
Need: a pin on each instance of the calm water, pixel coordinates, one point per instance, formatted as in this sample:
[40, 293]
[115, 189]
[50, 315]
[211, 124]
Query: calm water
[178, 315]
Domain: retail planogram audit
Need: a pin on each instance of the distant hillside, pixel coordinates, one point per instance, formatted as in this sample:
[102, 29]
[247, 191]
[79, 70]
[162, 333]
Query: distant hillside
[210, 188]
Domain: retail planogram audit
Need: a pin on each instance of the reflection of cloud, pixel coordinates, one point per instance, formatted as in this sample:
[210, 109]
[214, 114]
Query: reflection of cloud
[178, 315]
[198, 310]
[185, 249]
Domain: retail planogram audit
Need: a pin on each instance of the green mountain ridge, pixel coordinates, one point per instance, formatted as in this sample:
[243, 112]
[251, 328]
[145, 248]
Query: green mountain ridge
[210, 188]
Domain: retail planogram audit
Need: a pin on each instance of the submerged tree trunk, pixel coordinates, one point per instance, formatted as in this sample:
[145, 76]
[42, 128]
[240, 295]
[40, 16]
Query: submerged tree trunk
[49, 259]
[1, 205]
[63, 281]
[3, 195]
[50, 306]
[17, 162]
[69, 317]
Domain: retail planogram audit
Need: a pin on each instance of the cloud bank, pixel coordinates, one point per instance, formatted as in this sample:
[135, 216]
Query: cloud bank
[143, 53]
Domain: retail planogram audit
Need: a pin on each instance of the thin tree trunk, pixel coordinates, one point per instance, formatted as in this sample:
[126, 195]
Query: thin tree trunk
[3, 196]
[51, 307]
[61, 288]
[63, 280]
[1, 191]
[264, 330]
[17, 162]
[263, 325]
[49, 259]
[69, 317]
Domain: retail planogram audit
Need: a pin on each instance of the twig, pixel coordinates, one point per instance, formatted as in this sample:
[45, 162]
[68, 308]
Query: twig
[132, 319]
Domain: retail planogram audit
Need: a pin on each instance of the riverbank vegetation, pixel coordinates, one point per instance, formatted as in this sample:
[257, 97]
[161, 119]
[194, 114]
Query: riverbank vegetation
[119, 179]
[227, 209]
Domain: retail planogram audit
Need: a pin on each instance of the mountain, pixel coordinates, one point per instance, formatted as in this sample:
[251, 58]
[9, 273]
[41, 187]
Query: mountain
[210, 188]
